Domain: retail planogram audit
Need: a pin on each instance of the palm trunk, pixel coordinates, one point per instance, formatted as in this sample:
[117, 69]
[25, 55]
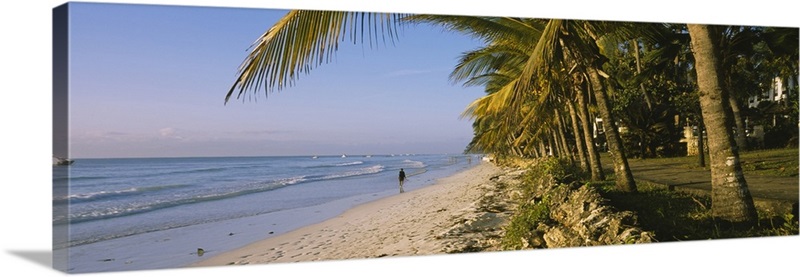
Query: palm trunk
[642, 147]
[730, 197]
[563, 138]
[741, 136]
[519, 150]
[552, 142]
[534, 151]
[591, 148]
[514, 150]
[624, 177]
[701, 148]
[542, 149]
[579, 143]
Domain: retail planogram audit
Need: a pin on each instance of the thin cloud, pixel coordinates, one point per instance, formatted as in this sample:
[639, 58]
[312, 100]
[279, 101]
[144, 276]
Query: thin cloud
[261, 132]
[106, 136]
[170, 132]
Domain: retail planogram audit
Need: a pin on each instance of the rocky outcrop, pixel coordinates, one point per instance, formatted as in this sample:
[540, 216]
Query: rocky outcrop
[578, 216]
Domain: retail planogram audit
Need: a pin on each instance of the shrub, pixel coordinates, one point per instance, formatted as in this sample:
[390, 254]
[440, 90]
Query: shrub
[562, 170]
[521, 232]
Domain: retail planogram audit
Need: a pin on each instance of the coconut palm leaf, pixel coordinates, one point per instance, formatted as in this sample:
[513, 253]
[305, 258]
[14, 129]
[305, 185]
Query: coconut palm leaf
[489, 29]
[543, 56]
[488, 60]
[304, 39]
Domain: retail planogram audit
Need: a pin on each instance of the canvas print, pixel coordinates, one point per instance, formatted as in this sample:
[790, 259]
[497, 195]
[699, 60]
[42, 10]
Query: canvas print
[208, 136]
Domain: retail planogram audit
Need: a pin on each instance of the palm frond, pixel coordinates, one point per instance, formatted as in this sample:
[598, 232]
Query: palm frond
[543, 56]
[483, 28]
[304, 39]
[486, 60]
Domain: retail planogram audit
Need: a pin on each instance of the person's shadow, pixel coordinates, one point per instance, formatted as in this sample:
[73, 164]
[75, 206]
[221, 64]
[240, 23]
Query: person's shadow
[41, 257]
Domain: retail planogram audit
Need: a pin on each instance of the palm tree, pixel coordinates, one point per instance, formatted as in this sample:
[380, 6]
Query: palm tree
[492, 67]
[576, 41]
[496, 67]
[580, 94]
[736, 49]
[577, 133]
[731, 199]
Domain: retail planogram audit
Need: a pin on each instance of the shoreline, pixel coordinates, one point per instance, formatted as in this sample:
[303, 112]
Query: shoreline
[227, 224]
[407, 224]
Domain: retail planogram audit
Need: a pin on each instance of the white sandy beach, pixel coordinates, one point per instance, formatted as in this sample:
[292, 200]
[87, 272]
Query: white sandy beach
[402, 225]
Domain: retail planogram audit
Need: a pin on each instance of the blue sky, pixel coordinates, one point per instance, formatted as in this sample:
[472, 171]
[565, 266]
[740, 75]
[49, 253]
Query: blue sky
[150, 81]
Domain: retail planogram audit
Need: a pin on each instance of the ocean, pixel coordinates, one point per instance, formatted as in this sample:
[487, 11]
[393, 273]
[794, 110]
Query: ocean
[152, 213]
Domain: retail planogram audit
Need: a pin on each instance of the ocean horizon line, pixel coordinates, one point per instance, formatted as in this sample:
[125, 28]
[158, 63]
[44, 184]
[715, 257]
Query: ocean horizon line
[265, 156]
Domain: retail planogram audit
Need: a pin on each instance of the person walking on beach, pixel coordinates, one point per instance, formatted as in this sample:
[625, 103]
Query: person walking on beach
[402, 178]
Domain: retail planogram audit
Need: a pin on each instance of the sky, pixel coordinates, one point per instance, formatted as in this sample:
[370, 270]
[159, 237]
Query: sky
[150, 81]
[25, 169]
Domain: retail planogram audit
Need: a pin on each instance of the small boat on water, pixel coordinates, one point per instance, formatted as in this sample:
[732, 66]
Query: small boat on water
[62, 161]
[315, 157]
[344, 156]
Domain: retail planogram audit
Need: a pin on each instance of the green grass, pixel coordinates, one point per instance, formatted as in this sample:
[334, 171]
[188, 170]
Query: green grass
[777, 162]
[773, 162]
[678, 216]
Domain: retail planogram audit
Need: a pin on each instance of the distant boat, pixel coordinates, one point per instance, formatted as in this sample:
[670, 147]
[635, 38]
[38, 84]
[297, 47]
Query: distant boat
[62, 161]
[344, 156]
[315, 157]
[368, 156]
